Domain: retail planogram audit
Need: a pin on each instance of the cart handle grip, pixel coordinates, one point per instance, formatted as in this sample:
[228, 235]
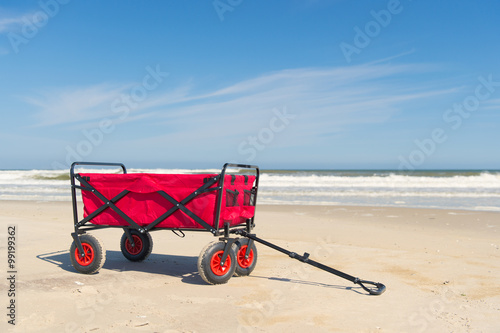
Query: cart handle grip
[236, 165]
[74, 164]
[378, 290]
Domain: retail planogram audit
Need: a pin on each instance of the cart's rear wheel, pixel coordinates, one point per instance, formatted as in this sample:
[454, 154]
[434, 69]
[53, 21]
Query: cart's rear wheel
[143, 245]
[244, 265]
[209, 263]
[93, 258]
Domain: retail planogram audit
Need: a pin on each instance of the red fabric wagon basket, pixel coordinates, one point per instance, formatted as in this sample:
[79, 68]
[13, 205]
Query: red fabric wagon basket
[144, 198]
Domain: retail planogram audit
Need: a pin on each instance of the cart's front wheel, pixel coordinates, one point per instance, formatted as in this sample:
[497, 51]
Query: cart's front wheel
[141, 247]
[245, 262]
[93, 256]
[209, 263]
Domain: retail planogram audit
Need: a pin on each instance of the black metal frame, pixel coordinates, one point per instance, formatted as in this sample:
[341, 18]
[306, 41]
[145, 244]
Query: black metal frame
[81, 226]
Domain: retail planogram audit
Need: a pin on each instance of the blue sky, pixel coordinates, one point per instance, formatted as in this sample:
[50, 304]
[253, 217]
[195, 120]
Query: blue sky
[282, 84]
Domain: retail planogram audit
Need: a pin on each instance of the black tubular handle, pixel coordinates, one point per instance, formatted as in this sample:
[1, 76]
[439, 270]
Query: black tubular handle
[74, 164]
[379, 290]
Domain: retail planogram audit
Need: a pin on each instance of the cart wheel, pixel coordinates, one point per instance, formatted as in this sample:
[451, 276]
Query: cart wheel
[94, 257]
[209, 265]
[143, 245]
[244, 266]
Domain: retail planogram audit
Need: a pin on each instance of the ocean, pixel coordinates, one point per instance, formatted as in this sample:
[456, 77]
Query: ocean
[446, 189]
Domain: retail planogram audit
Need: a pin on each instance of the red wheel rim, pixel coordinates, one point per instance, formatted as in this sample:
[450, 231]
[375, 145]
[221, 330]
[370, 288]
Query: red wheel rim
[242, 261]
[137, 248]
[87, 258]
[215, 266]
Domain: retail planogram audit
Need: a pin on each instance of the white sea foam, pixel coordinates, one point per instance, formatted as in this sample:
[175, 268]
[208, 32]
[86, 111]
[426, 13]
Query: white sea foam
[459, 190]
[484, 180]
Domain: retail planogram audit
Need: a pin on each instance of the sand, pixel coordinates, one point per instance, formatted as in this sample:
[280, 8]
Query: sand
[441, 269]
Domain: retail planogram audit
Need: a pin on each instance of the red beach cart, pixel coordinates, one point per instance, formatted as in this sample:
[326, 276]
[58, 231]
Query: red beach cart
[222, 204]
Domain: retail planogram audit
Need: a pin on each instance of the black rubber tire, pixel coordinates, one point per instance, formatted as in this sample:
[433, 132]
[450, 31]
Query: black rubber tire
[94, 258]
[207, 263]
[244, 266]
[141, 250]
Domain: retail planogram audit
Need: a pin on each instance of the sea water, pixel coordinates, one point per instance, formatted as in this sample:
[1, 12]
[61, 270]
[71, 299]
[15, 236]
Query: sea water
[465, 189]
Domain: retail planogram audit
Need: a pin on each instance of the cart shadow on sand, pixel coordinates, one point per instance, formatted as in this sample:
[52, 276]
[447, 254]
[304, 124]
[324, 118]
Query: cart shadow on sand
[298, 283]
[183, 267]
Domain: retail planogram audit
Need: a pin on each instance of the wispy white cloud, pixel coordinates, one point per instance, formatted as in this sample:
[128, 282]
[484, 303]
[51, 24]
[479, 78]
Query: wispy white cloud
[8, 24]
[492, 104]
[13, 21]
[77, 105]
[325, 100]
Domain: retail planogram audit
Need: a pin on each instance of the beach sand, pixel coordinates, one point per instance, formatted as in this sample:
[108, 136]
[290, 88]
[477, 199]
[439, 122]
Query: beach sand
[441, 269]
